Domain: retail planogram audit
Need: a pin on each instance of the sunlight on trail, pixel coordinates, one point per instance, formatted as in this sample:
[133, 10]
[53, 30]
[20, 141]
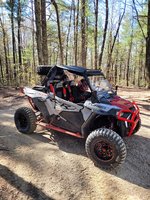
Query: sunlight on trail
[7, 115]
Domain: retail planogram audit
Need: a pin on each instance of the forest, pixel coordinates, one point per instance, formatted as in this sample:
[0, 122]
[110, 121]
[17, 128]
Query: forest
[60, 141]
[111, 35]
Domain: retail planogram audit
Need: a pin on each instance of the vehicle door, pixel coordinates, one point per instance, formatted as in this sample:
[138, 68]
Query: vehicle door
[69, 115]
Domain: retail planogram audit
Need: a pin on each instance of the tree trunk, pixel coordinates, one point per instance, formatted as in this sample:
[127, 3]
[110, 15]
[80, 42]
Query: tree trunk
[104, 34]
[120, 71]
[95, 31]
[33, 39]
[114, 41]
[129, 56]
[19, 40]
[140, 70]
[147, 63]
[19, 33]
[144, 76]
[76, 35]
[128, 63]
[44, 32]
[86, 38]
[13, 37]
[68, 34]
[116, 68]
[9, 62]
[37, 4]
[83, 34]
[134, 76]
[74, 28]
[59, 32]
[1, 66]
[5, 51]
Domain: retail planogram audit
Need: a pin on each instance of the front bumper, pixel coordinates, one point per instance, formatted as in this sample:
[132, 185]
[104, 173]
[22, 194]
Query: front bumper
[132, 120]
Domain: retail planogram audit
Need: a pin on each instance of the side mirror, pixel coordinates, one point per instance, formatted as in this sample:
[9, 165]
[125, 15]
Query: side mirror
[116, 88]
[94, 97]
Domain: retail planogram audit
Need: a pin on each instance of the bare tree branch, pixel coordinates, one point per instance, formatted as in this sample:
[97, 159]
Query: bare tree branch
[138, 19]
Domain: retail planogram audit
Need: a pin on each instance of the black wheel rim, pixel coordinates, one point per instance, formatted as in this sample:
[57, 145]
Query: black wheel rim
[22, 120]
[104, 151]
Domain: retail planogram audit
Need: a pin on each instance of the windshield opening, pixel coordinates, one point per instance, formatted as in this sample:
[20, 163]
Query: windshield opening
[99, 83]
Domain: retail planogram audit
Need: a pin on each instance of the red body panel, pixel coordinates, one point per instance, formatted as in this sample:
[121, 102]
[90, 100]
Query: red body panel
[134, 117]
[122, 103]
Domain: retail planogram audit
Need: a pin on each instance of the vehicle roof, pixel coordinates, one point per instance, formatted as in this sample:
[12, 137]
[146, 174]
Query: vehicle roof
[80, 70]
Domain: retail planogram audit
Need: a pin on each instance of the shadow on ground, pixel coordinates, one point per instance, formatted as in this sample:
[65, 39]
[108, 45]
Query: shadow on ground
[145, 114]
[134, 170]
[65, 142]
[137, 163]
[23, 186]
[146, 126]
[146, 106]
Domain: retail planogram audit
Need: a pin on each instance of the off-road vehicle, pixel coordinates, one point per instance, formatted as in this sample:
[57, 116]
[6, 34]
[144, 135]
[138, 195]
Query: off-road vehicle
[82, 103]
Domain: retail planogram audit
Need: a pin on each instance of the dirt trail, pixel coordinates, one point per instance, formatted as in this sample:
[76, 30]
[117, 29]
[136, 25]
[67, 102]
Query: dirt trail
[43, 166]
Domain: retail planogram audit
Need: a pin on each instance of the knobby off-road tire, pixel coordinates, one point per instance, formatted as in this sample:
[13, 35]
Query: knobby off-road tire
[137, 128]
[105, 148]
[25, 120]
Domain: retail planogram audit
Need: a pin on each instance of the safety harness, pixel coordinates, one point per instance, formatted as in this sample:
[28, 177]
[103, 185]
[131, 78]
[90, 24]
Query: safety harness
[64, 91]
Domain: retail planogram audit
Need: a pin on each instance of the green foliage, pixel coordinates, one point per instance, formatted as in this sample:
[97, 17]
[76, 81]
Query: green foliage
[14, 6]
[129, 30]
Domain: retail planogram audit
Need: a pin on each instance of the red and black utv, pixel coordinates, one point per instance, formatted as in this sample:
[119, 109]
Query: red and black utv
[81, 102]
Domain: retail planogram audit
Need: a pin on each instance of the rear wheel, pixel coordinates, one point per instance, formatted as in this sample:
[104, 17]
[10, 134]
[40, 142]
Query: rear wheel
[25, 120]
[106, 148]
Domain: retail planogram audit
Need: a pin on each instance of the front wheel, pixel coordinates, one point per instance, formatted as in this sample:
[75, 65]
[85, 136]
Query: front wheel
[105, 148]
[138, 126]
[25, 120]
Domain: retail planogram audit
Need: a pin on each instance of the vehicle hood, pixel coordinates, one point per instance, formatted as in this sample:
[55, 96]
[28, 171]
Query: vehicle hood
[120, 102]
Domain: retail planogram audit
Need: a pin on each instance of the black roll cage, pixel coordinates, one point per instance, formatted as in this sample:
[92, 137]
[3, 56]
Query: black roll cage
[81, 71]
